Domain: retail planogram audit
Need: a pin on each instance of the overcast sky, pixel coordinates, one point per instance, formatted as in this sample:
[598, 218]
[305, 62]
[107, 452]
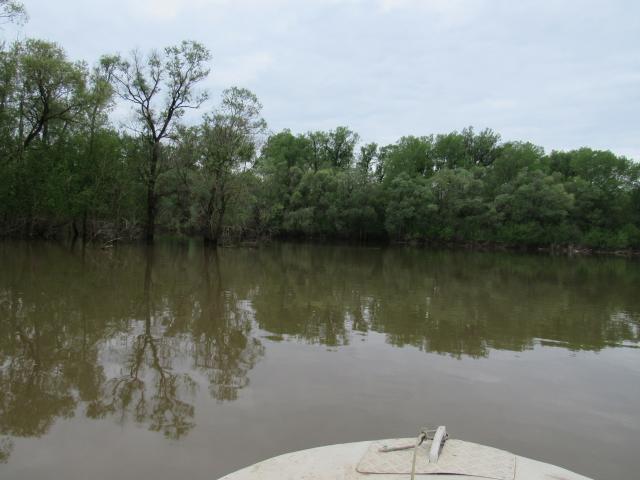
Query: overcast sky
[561, 73]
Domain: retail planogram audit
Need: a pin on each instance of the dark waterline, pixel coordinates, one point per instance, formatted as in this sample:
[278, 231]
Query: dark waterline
[191, 362]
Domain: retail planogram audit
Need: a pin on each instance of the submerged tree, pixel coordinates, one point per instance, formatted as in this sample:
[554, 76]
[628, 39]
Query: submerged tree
[227, 140]
[66, 168]
[41, 96]
[161, 88]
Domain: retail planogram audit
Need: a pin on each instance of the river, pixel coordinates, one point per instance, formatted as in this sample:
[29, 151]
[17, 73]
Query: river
[183, 362]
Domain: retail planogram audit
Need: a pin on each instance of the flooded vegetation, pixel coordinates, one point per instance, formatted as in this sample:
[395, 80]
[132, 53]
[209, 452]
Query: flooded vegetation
[192, 358]
[181, 360]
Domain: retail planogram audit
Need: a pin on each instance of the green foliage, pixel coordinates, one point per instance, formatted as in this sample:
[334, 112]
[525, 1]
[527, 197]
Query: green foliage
[66, 169]
[532, 209]
[410, 155]
[333, 149]
[409, 208]
[228, 143]
[460, 209]
[456, 187]
[160, 87]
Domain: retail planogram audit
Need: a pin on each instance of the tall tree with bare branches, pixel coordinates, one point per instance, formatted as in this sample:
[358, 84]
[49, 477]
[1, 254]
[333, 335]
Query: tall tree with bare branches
[12, 11]
[161, 87]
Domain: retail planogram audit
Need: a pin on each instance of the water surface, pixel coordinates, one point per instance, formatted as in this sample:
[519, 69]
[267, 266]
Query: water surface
[185, 362]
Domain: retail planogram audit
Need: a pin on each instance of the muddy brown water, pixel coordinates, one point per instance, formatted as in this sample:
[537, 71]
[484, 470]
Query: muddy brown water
[185, 362]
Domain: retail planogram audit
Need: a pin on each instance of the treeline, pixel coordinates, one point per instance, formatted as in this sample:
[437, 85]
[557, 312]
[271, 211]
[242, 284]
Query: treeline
[456, 187]
[70, 166]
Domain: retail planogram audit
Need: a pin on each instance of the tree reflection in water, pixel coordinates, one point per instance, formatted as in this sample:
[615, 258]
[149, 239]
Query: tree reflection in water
[6, 446]
[79, 336]
[68, 344]
[149, 392]
[224, 348]
[453, 303]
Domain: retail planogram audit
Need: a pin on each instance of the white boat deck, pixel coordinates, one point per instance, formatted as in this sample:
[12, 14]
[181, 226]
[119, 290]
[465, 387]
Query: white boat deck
[340, 462]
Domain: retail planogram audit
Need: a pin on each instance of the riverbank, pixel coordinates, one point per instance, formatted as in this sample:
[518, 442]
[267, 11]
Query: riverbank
[134, 236]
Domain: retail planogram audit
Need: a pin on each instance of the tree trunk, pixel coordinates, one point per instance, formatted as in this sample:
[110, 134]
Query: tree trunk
[217, 204]
[74, 230]
[151, 194]
[209, 240]
[213, 231]
[207, 231]
[217, 232]
[84, 227]
[151, 214]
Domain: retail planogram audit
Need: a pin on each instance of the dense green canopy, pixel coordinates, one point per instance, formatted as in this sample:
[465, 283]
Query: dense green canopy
[68, 167]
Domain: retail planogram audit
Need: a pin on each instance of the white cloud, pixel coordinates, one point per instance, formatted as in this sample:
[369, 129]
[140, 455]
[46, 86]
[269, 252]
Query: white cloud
[561, 74]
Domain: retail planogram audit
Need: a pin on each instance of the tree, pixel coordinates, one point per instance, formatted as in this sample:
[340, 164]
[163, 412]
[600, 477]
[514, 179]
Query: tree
[466, 149]
[314, 207]
[457, 196]
[50, 89]
[367, 158]
[318, 145]
[97, 148]
[411, 155]
[12, 11]
[340, 146]
[410, 207]
[283, 161]
[602, 185]
[532, 209]
[512, 158]
[9, 68]
[358, 205]
[41, 96]
[451, 151]
[481, 147]
[228, 140]
[161, 88]
[333, 149]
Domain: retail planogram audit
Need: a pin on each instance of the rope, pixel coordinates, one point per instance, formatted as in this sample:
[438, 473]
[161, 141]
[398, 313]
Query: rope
[424, 435]
[421, 438]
